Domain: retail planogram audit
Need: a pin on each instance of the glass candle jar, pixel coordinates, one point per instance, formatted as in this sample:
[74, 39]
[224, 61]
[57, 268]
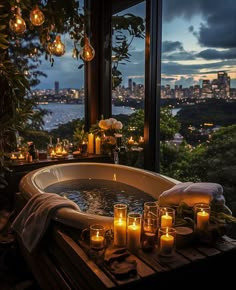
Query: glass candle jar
[201, 216]
[166, 241]
[149, 225]
[120, 224]
[134, 231]
[97, 237]
[167, 217]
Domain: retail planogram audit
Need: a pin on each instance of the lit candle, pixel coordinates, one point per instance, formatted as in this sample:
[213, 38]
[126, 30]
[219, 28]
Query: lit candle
[53, 154]
[13, 157]
[64, 152]
[166, 220]
[58, 151]
[98, 145]
[97, 242]
[202, 220]
[90, 143]
[120, 232]
[166, 244]
[133, 236]
[141, 140]
[131, 141]
[21, 157]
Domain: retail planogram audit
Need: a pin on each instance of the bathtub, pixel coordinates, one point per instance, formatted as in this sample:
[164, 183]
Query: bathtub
[35, 182]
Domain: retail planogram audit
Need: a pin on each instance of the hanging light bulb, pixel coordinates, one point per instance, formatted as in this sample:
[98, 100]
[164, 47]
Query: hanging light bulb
[36, 16]
[87, 53]
[57, 48]
[17, 23]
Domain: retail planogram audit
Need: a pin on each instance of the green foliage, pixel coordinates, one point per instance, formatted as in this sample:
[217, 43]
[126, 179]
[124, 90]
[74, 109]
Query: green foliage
[169, 125]
[80, 134]
[125, 28]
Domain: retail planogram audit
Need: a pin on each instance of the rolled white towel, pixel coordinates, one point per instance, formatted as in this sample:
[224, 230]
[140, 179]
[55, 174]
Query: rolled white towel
[191, 193]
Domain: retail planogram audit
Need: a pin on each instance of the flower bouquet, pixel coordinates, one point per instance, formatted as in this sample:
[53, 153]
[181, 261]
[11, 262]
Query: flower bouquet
[109, 130]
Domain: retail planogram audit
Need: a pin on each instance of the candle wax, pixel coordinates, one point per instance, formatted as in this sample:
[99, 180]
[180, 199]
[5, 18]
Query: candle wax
[202, 220]
[120, 232]
[166, 220]
[133, 236]
[97, 242]
[166, 244]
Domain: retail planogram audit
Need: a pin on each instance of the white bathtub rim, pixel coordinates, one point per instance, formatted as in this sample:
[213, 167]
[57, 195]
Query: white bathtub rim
[28, 187]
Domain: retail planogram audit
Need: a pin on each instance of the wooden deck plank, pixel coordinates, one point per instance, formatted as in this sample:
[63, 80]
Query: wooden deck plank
[191, 254]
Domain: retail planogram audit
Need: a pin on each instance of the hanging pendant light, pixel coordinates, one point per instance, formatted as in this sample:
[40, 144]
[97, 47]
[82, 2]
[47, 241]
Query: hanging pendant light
[37, 16]
[87, 53]
[57, 48]
[17, 23]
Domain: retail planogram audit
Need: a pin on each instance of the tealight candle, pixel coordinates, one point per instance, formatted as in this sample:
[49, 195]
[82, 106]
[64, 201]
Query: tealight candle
[21, 157]
[120, 224]
[13, 157]
[97, 238]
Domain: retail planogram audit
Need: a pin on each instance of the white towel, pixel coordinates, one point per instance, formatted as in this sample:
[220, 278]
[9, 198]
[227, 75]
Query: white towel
[192, 193]
[33, 220]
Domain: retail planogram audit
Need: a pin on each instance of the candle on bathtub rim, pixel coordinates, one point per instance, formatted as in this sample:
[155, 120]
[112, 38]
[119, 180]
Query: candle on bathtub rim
[120, 224]
[201, 216]
[97, 237]
[167, 216]
[166, 241]
[134, 231]
[90, 143]
[98, 145]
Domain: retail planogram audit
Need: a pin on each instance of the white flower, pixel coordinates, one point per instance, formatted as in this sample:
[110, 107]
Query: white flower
[111, 123]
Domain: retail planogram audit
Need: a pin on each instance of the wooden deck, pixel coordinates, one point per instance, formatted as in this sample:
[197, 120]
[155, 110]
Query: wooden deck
[61, 263]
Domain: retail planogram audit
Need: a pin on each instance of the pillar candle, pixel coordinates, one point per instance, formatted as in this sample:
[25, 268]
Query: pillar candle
[133, 236]
[98, 145]
[166, 244]
[120, 232]
[166, 220]
[202, 220]
[90, 143]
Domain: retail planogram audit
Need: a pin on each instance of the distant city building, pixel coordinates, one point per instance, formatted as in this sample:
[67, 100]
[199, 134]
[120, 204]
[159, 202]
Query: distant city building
[56, 87]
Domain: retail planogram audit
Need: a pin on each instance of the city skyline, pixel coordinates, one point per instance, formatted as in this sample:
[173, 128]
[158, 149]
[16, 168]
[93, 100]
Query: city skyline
[191, 48]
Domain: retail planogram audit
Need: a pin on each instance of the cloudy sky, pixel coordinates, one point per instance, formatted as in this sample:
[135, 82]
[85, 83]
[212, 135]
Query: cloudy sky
[198, 40]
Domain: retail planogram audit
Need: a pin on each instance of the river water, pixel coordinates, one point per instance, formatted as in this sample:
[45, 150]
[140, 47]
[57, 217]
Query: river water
[64, 113]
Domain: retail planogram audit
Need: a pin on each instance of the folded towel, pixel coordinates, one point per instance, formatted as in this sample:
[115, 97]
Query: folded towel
[192, 193]
[33, 220]
[120, 263]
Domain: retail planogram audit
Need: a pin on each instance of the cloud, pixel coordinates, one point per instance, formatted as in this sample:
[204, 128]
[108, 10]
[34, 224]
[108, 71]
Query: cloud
[209, 54]
[169, 46]
[218, 29]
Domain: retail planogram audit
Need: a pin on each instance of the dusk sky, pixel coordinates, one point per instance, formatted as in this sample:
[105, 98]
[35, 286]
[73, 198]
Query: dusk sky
[198, 40]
